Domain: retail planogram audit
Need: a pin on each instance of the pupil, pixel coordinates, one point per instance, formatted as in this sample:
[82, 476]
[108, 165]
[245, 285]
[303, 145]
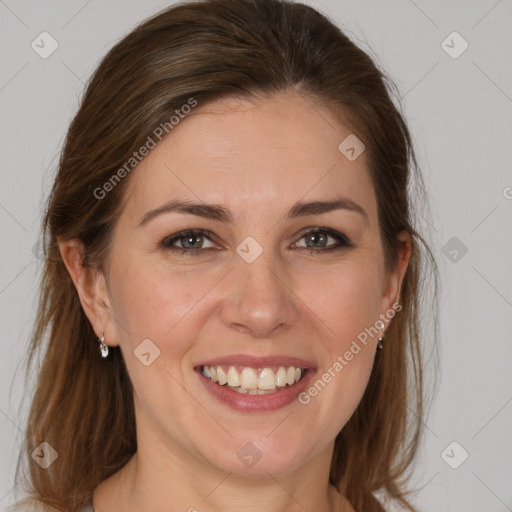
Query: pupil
[190, 240]
[316, 238]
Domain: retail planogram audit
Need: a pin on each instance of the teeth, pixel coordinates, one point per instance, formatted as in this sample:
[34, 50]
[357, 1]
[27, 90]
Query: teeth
[281, 377]
[249, 379]
[267, 379]
[221, 376]
[253, 381]
[233, 378]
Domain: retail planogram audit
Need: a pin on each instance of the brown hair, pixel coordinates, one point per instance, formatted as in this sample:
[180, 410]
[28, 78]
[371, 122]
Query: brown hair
[207, 50]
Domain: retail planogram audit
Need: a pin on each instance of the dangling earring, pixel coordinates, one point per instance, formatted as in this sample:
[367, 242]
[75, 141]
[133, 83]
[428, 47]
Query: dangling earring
[379, 343]
[103, 346]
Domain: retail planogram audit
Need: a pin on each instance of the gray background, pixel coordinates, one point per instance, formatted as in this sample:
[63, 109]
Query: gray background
[460, 112]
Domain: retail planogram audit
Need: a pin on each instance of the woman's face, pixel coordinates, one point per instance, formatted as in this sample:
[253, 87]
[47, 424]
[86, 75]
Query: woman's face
[270, 281]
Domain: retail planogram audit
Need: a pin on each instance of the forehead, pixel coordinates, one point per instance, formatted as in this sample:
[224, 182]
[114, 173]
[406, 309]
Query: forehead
[260, 153]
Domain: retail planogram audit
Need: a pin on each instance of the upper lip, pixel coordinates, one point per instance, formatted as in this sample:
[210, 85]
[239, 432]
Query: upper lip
[258, 361]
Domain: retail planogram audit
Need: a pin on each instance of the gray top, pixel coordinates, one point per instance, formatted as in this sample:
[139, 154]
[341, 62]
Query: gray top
[39, 508]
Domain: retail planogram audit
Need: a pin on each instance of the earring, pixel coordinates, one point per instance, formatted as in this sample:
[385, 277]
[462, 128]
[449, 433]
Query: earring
[103, 346]
[379, 343]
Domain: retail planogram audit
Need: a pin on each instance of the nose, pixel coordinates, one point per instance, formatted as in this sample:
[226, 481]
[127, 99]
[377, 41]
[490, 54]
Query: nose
[259, 299]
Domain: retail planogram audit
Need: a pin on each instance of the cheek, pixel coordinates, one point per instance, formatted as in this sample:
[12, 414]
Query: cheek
[348, 307]
[149, 300]
[155, 326]
[346, 299]
[159, 302]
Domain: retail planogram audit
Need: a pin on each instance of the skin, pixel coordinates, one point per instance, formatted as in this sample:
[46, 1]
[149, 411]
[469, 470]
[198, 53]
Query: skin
[256, 158]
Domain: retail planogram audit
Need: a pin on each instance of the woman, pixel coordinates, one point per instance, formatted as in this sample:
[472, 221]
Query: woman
[232, 276]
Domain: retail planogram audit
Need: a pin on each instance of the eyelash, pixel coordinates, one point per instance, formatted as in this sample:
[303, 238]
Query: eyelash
[342, 240]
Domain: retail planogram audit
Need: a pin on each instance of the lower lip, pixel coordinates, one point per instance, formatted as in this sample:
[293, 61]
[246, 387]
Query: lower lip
[256, 403]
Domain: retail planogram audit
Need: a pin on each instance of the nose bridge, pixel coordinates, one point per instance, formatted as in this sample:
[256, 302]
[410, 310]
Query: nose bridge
[259, 300]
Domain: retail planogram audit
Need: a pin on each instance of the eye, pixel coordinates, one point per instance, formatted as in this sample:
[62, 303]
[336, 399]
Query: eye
[316, 240]
[190, 241]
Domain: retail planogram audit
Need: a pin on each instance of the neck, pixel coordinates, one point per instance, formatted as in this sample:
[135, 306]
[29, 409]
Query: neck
[143, 485]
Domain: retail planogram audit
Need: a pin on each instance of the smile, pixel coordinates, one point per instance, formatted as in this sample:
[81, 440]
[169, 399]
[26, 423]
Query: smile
[254, 381]
[248, 383]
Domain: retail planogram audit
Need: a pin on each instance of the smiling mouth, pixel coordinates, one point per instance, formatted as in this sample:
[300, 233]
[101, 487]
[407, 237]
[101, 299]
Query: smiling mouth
[254, 381]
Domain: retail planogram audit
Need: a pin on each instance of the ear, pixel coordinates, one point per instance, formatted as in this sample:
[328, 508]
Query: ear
[92, 289]
[394, 277]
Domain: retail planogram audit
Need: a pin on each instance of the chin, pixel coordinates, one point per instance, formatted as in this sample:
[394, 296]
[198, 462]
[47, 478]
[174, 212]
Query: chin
[260, 457]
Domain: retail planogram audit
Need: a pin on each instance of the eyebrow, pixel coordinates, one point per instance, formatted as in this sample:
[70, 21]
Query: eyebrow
[220, 213]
